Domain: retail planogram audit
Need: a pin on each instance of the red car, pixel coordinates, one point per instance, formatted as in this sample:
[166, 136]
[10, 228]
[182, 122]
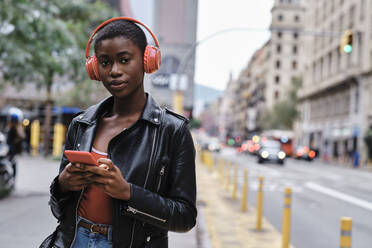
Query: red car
[304, 152]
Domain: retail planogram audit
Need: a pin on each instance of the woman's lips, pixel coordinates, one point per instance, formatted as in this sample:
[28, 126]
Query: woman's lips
[118, 85]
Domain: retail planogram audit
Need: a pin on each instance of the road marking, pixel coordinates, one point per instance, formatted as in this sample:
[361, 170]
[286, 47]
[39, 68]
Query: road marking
[339, 195]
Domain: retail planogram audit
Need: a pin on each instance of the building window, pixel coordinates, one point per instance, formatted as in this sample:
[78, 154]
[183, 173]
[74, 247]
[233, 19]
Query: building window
[297, 18]
[330, 69]
[278, 64]
[278, 48]
[295, 35]
[276, 95]
[356, 101]
[362, 9]
[294, 49]
[351, 16]
[294, 65]
[279, 35]
[280, 18]
[338, 60]
[277, 79]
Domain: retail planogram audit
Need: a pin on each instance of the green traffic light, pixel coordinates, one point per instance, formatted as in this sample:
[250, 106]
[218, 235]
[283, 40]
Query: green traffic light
[348, 48]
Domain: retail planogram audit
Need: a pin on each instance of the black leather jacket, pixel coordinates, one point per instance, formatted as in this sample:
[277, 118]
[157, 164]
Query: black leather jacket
[156, 156]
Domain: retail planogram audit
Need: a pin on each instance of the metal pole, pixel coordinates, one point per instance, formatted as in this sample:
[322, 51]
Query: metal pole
[235, 182]
[346, 226]
[228, 175]
[35, 137]
[286, 225]
[244, 191]
[259, 204]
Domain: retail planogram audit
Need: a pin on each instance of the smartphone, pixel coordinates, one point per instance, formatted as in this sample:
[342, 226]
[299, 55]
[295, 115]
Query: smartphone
[80, 157]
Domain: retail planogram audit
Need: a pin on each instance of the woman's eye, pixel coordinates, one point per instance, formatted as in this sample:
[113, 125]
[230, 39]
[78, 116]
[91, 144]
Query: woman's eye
[104, 63]
[124, 60]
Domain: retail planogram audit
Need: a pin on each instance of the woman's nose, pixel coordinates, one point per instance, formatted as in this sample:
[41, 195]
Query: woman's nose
[115, 71]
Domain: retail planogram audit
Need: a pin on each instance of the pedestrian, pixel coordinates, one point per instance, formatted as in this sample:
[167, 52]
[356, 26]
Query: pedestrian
[145, 185]
[15, 136]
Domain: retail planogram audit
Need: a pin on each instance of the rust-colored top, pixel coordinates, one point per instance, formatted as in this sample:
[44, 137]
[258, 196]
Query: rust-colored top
[95, 205]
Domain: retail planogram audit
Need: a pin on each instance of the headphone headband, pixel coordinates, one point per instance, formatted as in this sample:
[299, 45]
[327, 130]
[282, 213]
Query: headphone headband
[115, 19]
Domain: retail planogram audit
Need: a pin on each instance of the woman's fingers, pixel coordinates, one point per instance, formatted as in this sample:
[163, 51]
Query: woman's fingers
[105, 161]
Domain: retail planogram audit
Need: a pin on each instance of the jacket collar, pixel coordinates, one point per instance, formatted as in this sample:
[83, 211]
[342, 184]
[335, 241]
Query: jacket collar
[150, 113]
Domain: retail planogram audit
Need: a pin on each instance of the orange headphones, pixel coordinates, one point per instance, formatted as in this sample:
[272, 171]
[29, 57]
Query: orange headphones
[151, 58]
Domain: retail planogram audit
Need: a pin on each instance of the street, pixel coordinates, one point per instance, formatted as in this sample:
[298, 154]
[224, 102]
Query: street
[321, 195]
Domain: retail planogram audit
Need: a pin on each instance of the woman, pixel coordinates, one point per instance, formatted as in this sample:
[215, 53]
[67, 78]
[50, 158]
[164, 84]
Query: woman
[145, 184]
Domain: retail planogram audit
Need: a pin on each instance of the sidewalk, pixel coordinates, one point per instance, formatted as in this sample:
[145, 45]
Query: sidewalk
[227, 226]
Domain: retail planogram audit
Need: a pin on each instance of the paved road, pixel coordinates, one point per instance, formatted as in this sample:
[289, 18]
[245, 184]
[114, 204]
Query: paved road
[322, 194]
[25, 218]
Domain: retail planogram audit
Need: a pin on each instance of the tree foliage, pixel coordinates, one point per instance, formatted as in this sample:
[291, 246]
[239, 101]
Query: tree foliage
[43, 38]
[283, 113]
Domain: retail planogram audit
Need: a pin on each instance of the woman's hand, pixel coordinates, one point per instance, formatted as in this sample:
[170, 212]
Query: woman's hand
[75, 177]
[109, 178]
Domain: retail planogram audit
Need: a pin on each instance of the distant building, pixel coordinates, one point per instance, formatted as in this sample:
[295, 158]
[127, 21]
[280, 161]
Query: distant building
[174, 23]
[336, 106]
[204, 96]
[268, 76]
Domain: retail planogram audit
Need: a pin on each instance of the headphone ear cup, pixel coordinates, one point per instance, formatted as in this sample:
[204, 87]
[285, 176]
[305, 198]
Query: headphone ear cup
[151, 59]
[91, 65]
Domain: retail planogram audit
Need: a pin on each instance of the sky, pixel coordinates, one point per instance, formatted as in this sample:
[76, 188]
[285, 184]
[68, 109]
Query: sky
[230, 51]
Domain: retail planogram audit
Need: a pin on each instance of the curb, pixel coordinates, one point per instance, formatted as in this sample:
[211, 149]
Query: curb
[226, 224]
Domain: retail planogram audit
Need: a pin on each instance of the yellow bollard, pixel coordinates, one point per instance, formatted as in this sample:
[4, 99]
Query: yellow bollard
[35, 137]
[235, 182]
[228, 175]
[286, 225]
[345, 240]
[58, 138]
[213, 158]
[259, 204]
[220, 171]
[245, 191]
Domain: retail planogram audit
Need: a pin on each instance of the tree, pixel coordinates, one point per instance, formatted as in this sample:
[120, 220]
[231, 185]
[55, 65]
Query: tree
[283, 113]
[41, 39]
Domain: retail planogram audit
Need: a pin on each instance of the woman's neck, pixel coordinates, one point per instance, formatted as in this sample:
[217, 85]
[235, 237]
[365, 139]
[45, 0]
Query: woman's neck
[129, 106]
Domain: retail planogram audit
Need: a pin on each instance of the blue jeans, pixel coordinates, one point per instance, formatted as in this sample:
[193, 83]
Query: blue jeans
[86, 239]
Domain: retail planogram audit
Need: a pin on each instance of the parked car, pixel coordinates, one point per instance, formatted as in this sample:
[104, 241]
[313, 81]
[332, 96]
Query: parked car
[270, 151]
[304, 152]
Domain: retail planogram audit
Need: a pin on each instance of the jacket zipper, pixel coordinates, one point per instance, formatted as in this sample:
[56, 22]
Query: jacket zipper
[76, 222]
[161, 176]
[135, 211]
[144, 186]
[151, 155]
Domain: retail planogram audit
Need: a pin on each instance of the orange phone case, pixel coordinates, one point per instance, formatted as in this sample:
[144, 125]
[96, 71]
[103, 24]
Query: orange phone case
[80, 157]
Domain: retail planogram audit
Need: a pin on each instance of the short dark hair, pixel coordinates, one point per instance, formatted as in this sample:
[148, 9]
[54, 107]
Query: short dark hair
[122, 28]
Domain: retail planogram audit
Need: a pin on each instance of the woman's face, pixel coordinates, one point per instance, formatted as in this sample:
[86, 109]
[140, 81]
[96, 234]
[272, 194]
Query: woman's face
[120, 66]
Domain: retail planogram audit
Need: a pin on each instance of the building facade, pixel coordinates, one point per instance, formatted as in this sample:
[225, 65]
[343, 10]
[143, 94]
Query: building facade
[174, 23]
[335, 100]
[268, 76]
[285, 53]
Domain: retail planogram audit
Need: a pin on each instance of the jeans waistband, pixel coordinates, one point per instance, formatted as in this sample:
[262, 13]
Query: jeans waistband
[109, 227]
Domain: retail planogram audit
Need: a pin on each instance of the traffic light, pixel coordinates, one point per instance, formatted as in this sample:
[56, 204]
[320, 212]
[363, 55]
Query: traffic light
[346, 45]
